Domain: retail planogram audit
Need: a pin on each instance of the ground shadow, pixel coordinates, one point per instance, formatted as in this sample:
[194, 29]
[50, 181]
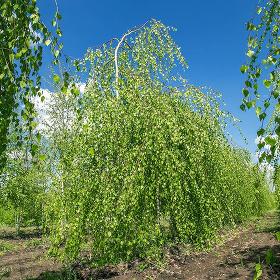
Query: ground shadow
[271, 224]
[8, 235]
[55, 275]
[77, 274]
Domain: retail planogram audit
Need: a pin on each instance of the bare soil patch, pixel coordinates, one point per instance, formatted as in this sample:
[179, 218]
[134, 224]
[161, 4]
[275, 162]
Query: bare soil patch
[242, 248]
[236, 258]
[24, 256]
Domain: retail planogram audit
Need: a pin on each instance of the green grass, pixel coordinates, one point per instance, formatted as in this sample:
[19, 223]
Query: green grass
[6, 247]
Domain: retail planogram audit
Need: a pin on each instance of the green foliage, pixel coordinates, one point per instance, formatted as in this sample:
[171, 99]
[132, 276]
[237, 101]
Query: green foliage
[270, 257]
[258, 271]
[263, 64]
[22, 39]
[141, 163]
[22, 194]
[139, 160]
[6, 215]
[5, 247]
[23, 184]
[276, 182]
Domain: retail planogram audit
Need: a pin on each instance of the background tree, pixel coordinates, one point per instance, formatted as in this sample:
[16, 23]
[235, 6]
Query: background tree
[22, 37]
[263, 65]
[23, 182]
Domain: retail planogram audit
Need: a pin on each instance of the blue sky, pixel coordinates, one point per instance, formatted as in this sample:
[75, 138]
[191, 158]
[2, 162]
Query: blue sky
[211, 34]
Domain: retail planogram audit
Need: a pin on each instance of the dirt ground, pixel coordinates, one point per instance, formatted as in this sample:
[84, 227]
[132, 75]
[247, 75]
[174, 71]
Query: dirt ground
[236, 258]
[23, 257]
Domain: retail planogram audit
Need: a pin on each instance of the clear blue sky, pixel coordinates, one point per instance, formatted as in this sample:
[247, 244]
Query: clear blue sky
[211, 34]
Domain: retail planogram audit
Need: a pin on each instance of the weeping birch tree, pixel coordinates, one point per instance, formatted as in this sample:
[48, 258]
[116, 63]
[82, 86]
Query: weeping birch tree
[144, 159]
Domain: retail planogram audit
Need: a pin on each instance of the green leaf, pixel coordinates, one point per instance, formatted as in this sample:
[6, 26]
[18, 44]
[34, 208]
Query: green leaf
[250, 53]
[64, 89]
[75, 91]
[91, 151]
[261, 145]
[258, 111]
[242, 107]
[18, 55]
[249, 104]
[270, 141]
[58, 32]
[42, 157]
[258, 271]
[272, 76]
[262, 157]
[243, 68]
[277, 235]
[277, 131]
[266, 104]
[56, 53]
[268, 158]
[47, 42]
[251, 26]
[248, 83]
[258, 72]
[33, 124]
[22, 84]
[58, 16]
[260, 132]
[277, 119]
[270, 257]
[267, 83]
[34, 149]
[275, 94]
[245, 92]
[56, 78]
[38, 136]
[262, 116]
[259, 10]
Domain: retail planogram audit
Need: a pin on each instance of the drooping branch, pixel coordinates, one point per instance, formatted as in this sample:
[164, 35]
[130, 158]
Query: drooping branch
[116, 53]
